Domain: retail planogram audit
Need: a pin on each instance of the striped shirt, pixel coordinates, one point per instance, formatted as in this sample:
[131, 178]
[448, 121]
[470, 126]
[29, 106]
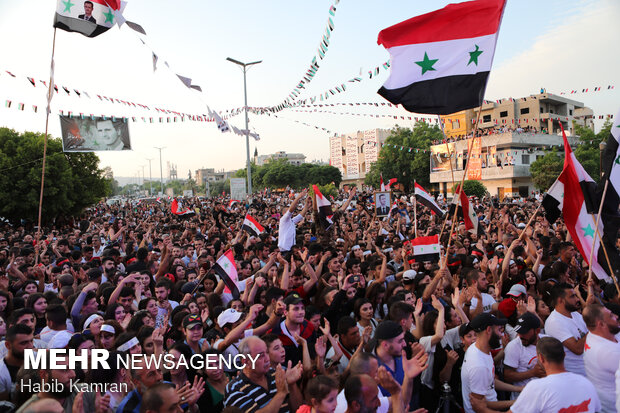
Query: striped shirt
[251, 397]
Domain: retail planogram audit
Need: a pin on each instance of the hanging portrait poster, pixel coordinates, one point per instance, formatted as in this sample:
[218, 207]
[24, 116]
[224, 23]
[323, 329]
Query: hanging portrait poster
[90, 134]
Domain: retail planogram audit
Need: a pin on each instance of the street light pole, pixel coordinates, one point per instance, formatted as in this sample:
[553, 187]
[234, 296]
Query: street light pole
[247, 130]
[161, 171]
[150, 177]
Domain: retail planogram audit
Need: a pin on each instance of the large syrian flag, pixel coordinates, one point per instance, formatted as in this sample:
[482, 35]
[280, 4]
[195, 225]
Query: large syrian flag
[324, 207]
[251, 226]
[440, 61]
[579, 209]
[226, 268]
[611, 169]
[427, 200]
[466, 210]
[90, 18]
[177, 209]
[426, 248]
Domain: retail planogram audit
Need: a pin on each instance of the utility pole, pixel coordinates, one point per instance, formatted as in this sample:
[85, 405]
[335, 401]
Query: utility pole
[150, 177]
[161, 170]
[247, 130]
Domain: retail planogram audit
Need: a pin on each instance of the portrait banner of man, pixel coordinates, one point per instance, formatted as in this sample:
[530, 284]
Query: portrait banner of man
[94, 134]
[382, 203]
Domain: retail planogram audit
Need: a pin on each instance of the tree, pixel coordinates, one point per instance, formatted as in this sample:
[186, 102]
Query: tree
[397, 161]
[216, 188]
[280, 174]
[73, 181]
[473, 188]
[546, 170]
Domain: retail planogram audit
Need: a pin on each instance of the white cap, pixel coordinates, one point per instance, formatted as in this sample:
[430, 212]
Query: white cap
[409, 275]
[228, 316]
[517, 290]
[60, 340]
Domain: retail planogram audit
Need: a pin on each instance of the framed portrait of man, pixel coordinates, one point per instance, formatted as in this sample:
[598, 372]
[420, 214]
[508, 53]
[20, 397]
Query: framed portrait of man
[91, 134]
[382, 203]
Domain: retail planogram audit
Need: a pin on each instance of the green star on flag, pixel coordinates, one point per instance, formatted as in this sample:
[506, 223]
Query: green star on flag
[617, 161]
[68, 6]
[109, 17]
[473, 56]
[426, 64]
[225, 266]
[588, 231]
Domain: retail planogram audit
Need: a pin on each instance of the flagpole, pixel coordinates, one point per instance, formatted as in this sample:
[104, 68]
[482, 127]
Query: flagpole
[47, 117]
[447, 147]
[529, 223]
[415, 212]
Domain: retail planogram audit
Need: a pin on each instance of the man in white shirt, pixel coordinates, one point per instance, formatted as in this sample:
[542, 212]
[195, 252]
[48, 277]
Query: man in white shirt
[560, 391]
[478, 371]
[520, 361]
[602, 353]
[286, 230]
[481, 302]
[567, 325]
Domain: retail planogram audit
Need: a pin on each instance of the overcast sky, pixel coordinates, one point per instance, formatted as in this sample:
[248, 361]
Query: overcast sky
[557, 44]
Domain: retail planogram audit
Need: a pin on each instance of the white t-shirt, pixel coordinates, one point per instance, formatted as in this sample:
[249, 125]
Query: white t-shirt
[487, 303]
[563, 328]
[601, 358]
[563, 391]
[427, 375]
[520, 358]
[477, 376]
[341, 403]
[451, 338]
[286, 231]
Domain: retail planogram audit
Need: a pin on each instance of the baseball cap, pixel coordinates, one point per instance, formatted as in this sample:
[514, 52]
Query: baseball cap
[409, 276]
[517, 290]
[527, 322]
[192, 320]
[484, 320]
[387, 330]
[292, 299]
[188, 287]
[521, 225]
[229, 315]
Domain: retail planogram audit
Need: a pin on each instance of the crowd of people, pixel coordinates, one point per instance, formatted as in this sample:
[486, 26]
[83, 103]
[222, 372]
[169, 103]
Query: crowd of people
[494, 130]
[343, 315]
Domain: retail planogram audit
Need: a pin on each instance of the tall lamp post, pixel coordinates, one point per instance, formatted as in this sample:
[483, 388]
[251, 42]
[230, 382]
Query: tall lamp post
[161, 171]
[150, 177]
[247, 130]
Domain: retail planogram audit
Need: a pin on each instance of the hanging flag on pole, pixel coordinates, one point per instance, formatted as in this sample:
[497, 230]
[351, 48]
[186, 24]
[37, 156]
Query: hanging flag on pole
[251, 226]
[90, 18]
[440, 61]
[470, 218]
[611, 168]
[427, 200]
[177, 209]
[426, 248]
[226, 268]
[578, 209]
[381, 183]
[324, 207]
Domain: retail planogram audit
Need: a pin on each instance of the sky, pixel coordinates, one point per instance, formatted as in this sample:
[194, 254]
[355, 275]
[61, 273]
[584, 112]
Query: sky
[560, 45]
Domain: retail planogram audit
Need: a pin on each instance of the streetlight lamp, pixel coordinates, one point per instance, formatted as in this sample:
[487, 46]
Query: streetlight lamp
[150, 177]
[161, 171]
[247, 130]
[601, 147]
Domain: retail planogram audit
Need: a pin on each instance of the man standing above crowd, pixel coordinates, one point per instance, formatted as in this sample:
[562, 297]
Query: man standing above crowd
[287, 232]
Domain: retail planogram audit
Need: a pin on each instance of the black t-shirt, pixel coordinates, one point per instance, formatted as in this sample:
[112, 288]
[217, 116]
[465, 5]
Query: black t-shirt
[12, 371]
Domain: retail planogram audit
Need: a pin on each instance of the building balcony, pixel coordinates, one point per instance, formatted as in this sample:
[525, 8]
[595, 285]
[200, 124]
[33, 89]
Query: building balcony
[509, 140]
[493, 172]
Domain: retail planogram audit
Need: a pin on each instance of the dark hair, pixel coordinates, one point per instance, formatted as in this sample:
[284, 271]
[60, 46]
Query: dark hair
[144, 333]
[100, 375]
[78, 339]
[591, 314]
[559, 291]
[32, 299]
[400, 310]
[152, 398]
[428, 323]
[126, 292]
[19, 313]
[111, 310]
[358, 305]
[122, 338]
[56, 314]
[319, 388]
[13, 331]
[551, 349]
[345, 324]
[353, 389]
[136, 321]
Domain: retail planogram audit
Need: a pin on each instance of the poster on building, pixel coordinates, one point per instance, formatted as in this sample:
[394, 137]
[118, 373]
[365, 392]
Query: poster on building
[475, 159]
[440, 160]
[237, 188]
[91, 134]
[352, 166]
[335, 153]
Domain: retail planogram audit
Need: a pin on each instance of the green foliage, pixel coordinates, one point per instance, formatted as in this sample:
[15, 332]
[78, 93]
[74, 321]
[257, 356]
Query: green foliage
[402, 164]
[73, 181]
[473, 188]
[280, 174]
[216, 188]
[329, 190]
[546, 170]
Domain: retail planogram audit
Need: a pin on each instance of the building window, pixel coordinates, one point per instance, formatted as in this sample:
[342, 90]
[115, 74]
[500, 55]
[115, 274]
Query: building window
[455, 124]
[525, 159]
[503, 114]
[486, 118]
[570, 112]
[542, 110]
[525, 111]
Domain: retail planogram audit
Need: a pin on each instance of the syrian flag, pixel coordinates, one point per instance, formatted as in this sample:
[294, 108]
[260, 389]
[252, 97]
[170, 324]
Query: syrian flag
[441, 60]
[466, 210]
[381, 183]
[232, 203]
[90, 18]
[611, 169]
[226, 268]
[426, 248]
[390, 183]
[427, 200]
[578, 209]
[324, 207]
[177, 209]
[251, 226]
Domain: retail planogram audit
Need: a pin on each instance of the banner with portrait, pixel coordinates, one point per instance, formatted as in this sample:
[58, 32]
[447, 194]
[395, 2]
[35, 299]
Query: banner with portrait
[440, 160]
[475, 159]
[382, 203]
[90, 134]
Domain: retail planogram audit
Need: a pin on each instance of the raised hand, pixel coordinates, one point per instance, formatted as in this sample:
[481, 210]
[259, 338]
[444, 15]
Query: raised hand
[415, 365]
